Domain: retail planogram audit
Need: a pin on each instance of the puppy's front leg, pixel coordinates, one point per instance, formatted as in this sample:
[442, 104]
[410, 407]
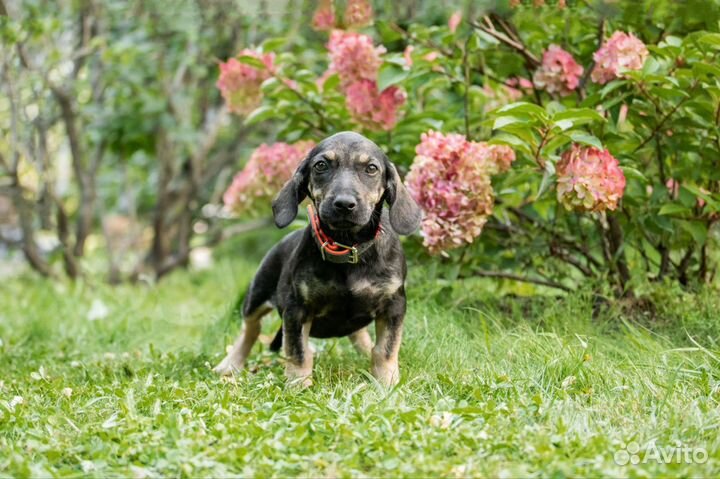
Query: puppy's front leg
[388, 332]
[296, 334]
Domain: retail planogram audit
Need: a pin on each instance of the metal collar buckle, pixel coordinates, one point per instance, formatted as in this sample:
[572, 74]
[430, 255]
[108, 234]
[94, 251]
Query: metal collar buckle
[354, 255]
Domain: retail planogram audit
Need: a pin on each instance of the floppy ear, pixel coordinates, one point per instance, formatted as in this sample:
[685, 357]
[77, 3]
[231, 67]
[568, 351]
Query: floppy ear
[285, 204]
[405, 214]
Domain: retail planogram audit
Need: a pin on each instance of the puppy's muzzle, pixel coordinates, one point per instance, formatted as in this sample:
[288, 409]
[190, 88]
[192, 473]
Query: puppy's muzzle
[344, 204]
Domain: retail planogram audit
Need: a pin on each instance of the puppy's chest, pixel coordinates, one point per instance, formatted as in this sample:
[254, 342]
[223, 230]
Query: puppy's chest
[360, 291]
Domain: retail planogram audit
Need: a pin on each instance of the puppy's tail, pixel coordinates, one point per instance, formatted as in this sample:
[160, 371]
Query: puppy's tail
[237, 310]
[276, 343]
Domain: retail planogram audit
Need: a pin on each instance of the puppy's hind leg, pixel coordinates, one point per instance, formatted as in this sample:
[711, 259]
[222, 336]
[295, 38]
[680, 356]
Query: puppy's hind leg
[362, 342]
[256, 304]
[235, 359]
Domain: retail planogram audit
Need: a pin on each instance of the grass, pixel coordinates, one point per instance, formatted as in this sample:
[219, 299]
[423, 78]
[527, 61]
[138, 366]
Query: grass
[490, 388]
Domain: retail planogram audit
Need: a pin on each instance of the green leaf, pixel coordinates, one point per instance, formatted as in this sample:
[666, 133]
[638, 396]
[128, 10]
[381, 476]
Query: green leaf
[674, 209]
[672, 94]
[272, 44]
[578, 116]
[556, 142]
[506, 139]
[701, 69]
[547, 180]
[395, 59]
[390, 74]
[387, 33]
[510, 140]
[507, 120]
[522, 107]
[697, 230]
[523, 131]
[260, 114]
[613, 85]
[709, 200]
[563, 124]
[486, 40]
[673, 41]
[650, 66]
[252, 61]
[634, 173]
[712, 39]
[269, 85]
[331, 82]
[585, 139]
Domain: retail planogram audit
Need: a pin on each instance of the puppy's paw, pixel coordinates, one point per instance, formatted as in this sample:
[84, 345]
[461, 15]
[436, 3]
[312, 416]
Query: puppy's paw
[298, 376]
[386, 375]
[228, 366]
[301, 382]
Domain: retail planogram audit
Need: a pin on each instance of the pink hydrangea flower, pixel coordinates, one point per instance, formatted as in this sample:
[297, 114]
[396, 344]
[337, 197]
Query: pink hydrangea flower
[454, 21]
[589, 179]
[559, 72]
[324, 16]
[373, 109]
[620, 53]
[701, 202]
[358, 13]
[407, 55]
[431, 57]
[519, 82]
[239, 83]
[450, 180]
[267, 170]
[354, 57]
[501, 158]
[357, 62]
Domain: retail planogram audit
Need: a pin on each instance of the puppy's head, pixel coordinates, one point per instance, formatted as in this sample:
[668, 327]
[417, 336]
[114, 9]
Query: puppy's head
[347, 177]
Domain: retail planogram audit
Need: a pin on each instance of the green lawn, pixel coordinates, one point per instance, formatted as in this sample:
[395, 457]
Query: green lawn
[490, 388]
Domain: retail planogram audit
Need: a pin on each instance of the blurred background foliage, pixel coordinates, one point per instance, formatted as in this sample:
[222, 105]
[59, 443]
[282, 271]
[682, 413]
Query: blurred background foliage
[114, 137]
[116, 146]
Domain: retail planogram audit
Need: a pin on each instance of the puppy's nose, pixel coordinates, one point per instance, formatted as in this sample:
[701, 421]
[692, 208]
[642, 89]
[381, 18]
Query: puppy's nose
[344, 203]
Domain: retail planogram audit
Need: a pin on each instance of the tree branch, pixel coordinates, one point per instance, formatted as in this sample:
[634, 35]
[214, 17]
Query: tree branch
[588, 72]
[564, 241]
[466, 91]
[565, 256]
[427, 43]
[508, 38]
[666, 117]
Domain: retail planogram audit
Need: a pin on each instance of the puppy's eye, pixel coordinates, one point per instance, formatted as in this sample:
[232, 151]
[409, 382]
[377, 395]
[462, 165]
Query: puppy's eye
[371, 169]
[320, 166]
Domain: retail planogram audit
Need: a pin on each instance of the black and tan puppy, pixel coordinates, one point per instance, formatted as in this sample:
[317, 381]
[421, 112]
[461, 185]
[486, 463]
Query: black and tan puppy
[345, 270]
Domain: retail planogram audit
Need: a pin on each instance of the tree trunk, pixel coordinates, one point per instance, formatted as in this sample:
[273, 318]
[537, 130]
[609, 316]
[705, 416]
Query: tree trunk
[28, 245]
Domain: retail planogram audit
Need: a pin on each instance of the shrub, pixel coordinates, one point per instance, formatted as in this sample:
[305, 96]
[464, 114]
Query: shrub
[612, 111]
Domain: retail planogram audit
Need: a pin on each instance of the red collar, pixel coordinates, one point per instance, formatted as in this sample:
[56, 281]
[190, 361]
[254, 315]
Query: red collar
[333, 251]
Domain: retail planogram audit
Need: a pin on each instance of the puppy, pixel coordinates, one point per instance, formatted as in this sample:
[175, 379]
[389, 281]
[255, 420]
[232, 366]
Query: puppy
[344, 270]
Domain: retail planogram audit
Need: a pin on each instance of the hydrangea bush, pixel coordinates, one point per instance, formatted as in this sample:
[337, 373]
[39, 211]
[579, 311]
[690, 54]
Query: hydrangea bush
[268, 168]
[450, 179]
[548, 142]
